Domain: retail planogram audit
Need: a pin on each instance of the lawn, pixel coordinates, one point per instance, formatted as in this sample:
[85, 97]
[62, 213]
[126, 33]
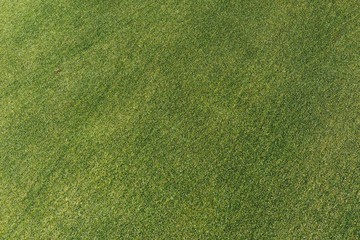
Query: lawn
[180, 119]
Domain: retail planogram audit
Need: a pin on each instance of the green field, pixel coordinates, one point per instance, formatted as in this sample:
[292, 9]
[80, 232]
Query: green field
[180, 119]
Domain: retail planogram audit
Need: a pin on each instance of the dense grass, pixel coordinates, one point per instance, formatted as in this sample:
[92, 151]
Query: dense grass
[177, 119]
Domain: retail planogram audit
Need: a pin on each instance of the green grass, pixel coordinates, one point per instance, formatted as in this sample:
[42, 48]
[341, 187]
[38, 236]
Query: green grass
[176, 119]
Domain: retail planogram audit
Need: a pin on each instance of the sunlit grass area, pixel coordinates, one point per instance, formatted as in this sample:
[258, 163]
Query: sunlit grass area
[179, 119]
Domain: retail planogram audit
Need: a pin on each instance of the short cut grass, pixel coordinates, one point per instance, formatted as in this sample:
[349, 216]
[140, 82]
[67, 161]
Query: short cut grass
[179, 119]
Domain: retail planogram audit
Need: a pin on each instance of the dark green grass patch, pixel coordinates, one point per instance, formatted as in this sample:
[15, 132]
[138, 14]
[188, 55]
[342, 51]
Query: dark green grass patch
[179, 119]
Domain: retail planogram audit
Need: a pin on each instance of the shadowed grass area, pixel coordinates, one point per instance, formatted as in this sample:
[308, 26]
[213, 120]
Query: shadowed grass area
[179, 119]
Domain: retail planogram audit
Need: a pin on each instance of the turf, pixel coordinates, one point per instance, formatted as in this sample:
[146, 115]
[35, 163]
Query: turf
[219, 119]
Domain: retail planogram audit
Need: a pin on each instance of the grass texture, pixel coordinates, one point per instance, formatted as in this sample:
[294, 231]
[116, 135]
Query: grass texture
[179, 119]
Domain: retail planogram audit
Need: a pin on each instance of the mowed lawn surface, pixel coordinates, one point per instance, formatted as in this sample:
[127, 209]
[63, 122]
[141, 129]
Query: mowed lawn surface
[177, 119]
